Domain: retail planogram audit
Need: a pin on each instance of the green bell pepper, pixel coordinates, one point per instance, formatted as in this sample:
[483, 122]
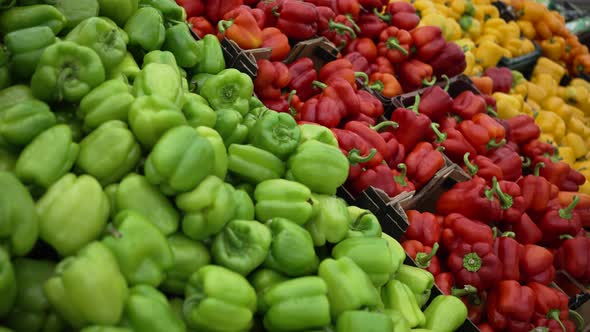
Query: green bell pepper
[136, 193]
[67, 72]
[189, 257]
[161, 57]
[400, 324]
[25, 47]
[318, 133]
[229, 89]
[241, 246]
[291, 250]
[445, 314]
[330, 223]
[101, 36]
[207, 208]
[7, 160]
[88, 288]
[109, 152]
[398, 296]
[31, 310]
[5, 79]
[321, 167]
[14, 94]
[6, 4]
[218, 299]
[7, 283]
[184, 46]
[99, 328]
[229, 125]
[297, 305]
[76, 11]
[370, 254]
[253, 164]
[142, 251]
[276, 133]
[398, 253]
[159, 79]
[19, 227]
[244, 205]
[169, 9]
[145, 29]
[255, 115]
[211, 60]
[197, 81]
[126, 70]
[48, 157]
[418, 280]
[262, 280]
[148, 310]
[220, 160]
[109, 101]
[349, 288]
[151, 116]
[118, 10]
[356, 320]
[180, 160]
[72, 213]
[284, 199]
[20, 123]
[68, 117]
[198, 112]
[363, 223]
[22, 17]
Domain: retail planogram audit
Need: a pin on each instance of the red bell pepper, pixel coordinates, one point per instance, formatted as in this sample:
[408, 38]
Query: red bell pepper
[381, 65]
[449, 61]
[509, 161]
[365, 46]
[192, 7]
[511, 307]
[379, 177]
[371, 26]
[270, 9]
[347, 7]
[473, 199]
[325, 16]
[560, 174]
[428, 41]
[371, 135]
[402, 15]
[536, 148]
[475, 264]
[423, 163]
[573, 256]
[467, 104]
[435, 102]
[258, 14]
[340, 31]
[359, 62]
[401, 179]
[201, 26]
[386, 84]
[396, 149]
[251, 3]
[324, 110]
[358, 151]
[340, 89]
[550, 304]
[424, 256]
[277, 41]
[485, 327]
[557, 222]
[395, 44]
[297, 19]
[413, 74]
[483, 167]
[341, 69]
[445, 282]
[454, 143]
[536, 190]
[551, 325]
[583, 207]
[502, 78]
[449, 122]
[512, 202]
[424, 227]
[459, 229]
[303, 75]
[536, 264]
[369, 105]
[508, 250]
[288, 102]
[240, 26]
[523, 129]
[216, 9]
[369, 5]
[527, 232]
[271, 78]
[484, 133]
[414, 127]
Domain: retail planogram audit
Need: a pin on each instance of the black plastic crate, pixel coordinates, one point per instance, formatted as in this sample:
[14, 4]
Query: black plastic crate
[506, 12]
[524, 63]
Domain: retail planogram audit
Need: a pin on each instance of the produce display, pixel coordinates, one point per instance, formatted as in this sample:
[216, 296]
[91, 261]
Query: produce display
[287, 165]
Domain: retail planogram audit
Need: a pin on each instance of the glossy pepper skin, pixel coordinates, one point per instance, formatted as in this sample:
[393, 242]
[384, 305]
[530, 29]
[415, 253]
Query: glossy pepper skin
[450, 61]
[277, 133]
[509, 161]
[572, 256]
[423, 162]
[428, 41]
[22, 17]
[228, 89]
[483, 133]
[147, 309]
[454, 143]
[206, 299]
[560, 221]
[21, 123]
[413, 126]
[7, 283]
[512, 202]
[159, 79]
[476, 265]
[298, 20]
[459, 229]
[467, 104]
[283, 198]
[358, 151]
[370, 254]
[435, 102]
[330, 220]
[398, 296]
[424, 257]
[523, 129]
[536, 264]
[211, 60]
[560, 174]
[445, 313]
[413, 74]
[283, 257]
[483, 167]
[355, 320]
[189, 257]
[395, 44]
[110, 100]
[418, 280]
[484, 206]
[68, 292]
[229, 125]
[240, 25]
[502, 78]
[550, 304]
[254, 164]
[508, 250]
[363, 223]
[424, 227]
[146, 29]
[198, 112]
[271, 78]
[179, 41]
[25, 47]
[511, 306]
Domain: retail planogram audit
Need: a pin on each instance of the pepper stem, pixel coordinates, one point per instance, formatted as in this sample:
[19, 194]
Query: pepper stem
[538, 167]
[472, 262]
[493, 144]
[363, 76]
[491, 112]
[223, 25]
[473, 169]
[393, 43]
[423, 259]
[292, 109]
[505, 200]
[509, 234]
[377, 86]
[355, 157]
[341, 29]
[466, 290]
[318, 84]
[426, 82]
[354, 25]
[447, 84]
[526, 161]
[567, 212]
[384, 124]
[577, 318]
[565, 237]
[416, 105]
[554, 314]
[383, 17]
[401, 178]
[440, 137]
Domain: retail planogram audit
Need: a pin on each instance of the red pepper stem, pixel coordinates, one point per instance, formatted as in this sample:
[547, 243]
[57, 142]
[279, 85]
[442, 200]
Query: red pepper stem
[509, 234]
[341, 29]
[426, 82]
[565, 237]
[377, 86]
[538, 167]
[554, 314]
[505, 200]
[384, 124]
[472, 262]
[578, 319]
[355, 157]
[401, 178]
[567, 212]
[223, 25]
[447, 84]
[473, 169]
[493, 144]
[393, 43]
[354, 25]
[460, 292]
[416, 105]
[440, 137]
[363, 76]
[383, 17]
[318, 84]
[423, 259]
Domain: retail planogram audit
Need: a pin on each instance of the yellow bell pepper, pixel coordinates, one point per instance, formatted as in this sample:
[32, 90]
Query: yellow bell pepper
[534, 105]
[420, 5]
[583, 165]
[520, 89]
[435, 19]
[527, 29]
[485, 12]
[466, 44]
[510, 30]
[552, 103]
[471, 27]
[461, 7]
[553, 48]
[577, 113]
[527, 109]
[567, 155]
[477, 70]
[576, 142]
[488, 54]
[535, 92]
[551, 123]
[482, 2]
[574, 95]
[484, 37]
[442, 9]
[565, 112]
[454, 31]
[547, 83]
[585, 188]
[507, 106]
[577, 126]
[533, 11]
[580, 82]
[547, 138]
[470, 61]
[545, 65]
[514, 45]
[527, 46]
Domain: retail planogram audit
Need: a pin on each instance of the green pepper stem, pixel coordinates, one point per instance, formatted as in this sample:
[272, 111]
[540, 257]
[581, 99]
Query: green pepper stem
[292, 109]
[393, 43]
[190, 303]
[489, 193]
[423, 259]
[577, 318]
[538, 167]
[426, 82]
[565, 237]
[416, 105]
[223, 25]
[232, 238]
[554, 314]
[540, 329]
[318, 84]
[341, 29]
[355, 157]
[505, 199]
[472, 262]
[363, 76]
[383, 17]
[567, 212]
[493, 144]
[494, 232]
[401, 178]
[384, 124]
[447, 84]
[440, 136]
[460, 292]
[354, 25]
[111, 229]
[377, 86]
[473, 169]
[509, 234]
[526, 161]
[491, 112]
